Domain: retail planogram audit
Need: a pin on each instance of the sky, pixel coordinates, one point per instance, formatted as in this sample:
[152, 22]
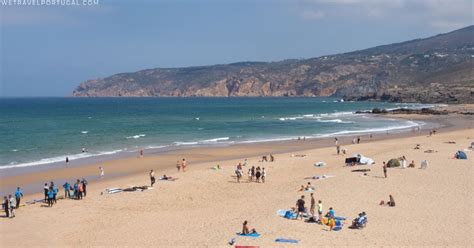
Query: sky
[48, 50]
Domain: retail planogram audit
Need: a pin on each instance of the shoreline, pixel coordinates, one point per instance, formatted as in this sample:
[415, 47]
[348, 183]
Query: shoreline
[165, 161]
[207, 206]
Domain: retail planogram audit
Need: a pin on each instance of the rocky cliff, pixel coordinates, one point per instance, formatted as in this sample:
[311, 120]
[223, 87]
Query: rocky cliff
[435, 69]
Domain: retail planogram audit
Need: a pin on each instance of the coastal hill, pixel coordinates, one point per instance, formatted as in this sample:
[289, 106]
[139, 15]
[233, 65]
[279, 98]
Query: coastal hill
[437, 69]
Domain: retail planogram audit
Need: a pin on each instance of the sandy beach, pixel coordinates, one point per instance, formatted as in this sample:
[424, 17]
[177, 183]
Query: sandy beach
[206, 207]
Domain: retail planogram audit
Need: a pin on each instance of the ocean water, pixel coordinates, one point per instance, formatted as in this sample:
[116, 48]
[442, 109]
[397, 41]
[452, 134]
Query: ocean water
[36, 131]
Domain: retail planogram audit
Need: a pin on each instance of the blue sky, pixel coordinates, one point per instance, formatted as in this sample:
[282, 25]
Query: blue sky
[49, 50]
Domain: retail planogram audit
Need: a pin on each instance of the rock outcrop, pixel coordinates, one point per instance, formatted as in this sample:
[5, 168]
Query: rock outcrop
[438, 69]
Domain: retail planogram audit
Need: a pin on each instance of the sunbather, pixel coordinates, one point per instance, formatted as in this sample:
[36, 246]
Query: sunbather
[245, 229]
[390, 203]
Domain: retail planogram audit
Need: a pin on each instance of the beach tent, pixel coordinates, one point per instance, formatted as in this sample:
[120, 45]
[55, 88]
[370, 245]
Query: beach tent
[461, 155]
[393, 163]
[364, 160]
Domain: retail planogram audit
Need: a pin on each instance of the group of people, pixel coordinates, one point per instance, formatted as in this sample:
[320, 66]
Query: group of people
[79, 189]
[181, 165]
[255, 174]
[11, 203]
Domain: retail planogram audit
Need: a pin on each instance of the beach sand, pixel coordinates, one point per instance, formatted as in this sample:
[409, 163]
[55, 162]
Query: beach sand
[205, 207]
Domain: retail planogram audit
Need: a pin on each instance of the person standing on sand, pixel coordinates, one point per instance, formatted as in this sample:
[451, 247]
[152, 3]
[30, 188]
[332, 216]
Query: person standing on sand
[336, 141]
[55, 191]
[313, 205]
[18, 196]
[79, 190]
[45, 189]
[358, 139]
[183, 165]
[152, 177]
[67, 161]
[101, 175]
[141, 153]
[67, 187]
[384, 169]
[258, 174]
[300, 207]
[338, 149]
[264, 175]
[50, 197]
[84, 186]
[320, 210]
[6, 206]
[178, 165]
[12, 206]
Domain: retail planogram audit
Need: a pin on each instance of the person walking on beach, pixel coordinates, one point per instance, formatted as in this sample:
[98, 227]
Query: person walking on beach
[338, 150]
[6, 206]
[84, 186]
[358, 139]
[384, 169]
[336, 141]
[152, 178]
[45, 189]
[18, 196]
[178, 165]
[67, 187]
[101, 175]
[12, 206]
[50, 197]
[264, 175]
[313, 205]
[183, 165]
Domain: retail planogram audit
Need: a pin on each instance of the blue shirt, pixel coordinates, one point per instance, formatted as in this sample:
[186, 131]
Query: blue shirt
[331, 212]
[55, 189]
[76, 186]
[18, 193]
[66, 186]
[51, 194]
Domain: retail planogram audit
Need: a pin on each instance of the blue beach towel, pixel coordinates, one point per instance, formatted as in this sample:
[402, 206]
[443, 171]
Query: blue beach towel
[337, 228]
[339, 218]
[282, 240]
[253, 235]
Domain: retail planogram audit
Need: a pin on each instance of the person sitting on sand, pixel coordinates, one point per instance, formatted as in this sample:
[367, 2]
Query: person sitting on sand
[245, 229]
[412, 164]
[164, 177]
[309, 186]
[302, 188]
[417, 147]
[390, 203]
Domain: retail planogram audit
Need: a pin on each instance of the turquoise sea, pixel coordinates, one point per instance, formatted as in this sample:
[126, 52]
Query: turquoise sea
[36, 131]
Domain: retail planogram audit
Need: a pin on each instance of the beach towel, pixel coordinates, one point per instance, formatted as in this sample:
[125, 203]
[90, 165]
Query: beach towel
[252, 235]
[282, 240]
[113, 190]
[320, 177]
[337, 228]
[320, 164]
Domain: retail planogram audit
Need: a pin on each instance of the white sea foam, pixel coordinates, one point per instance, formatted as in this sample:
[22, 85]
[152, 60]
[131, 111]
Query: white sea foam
[336, 121]
[409, 124]
[136, 136]
[58, 159]
[216, 140]
[84, 132]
